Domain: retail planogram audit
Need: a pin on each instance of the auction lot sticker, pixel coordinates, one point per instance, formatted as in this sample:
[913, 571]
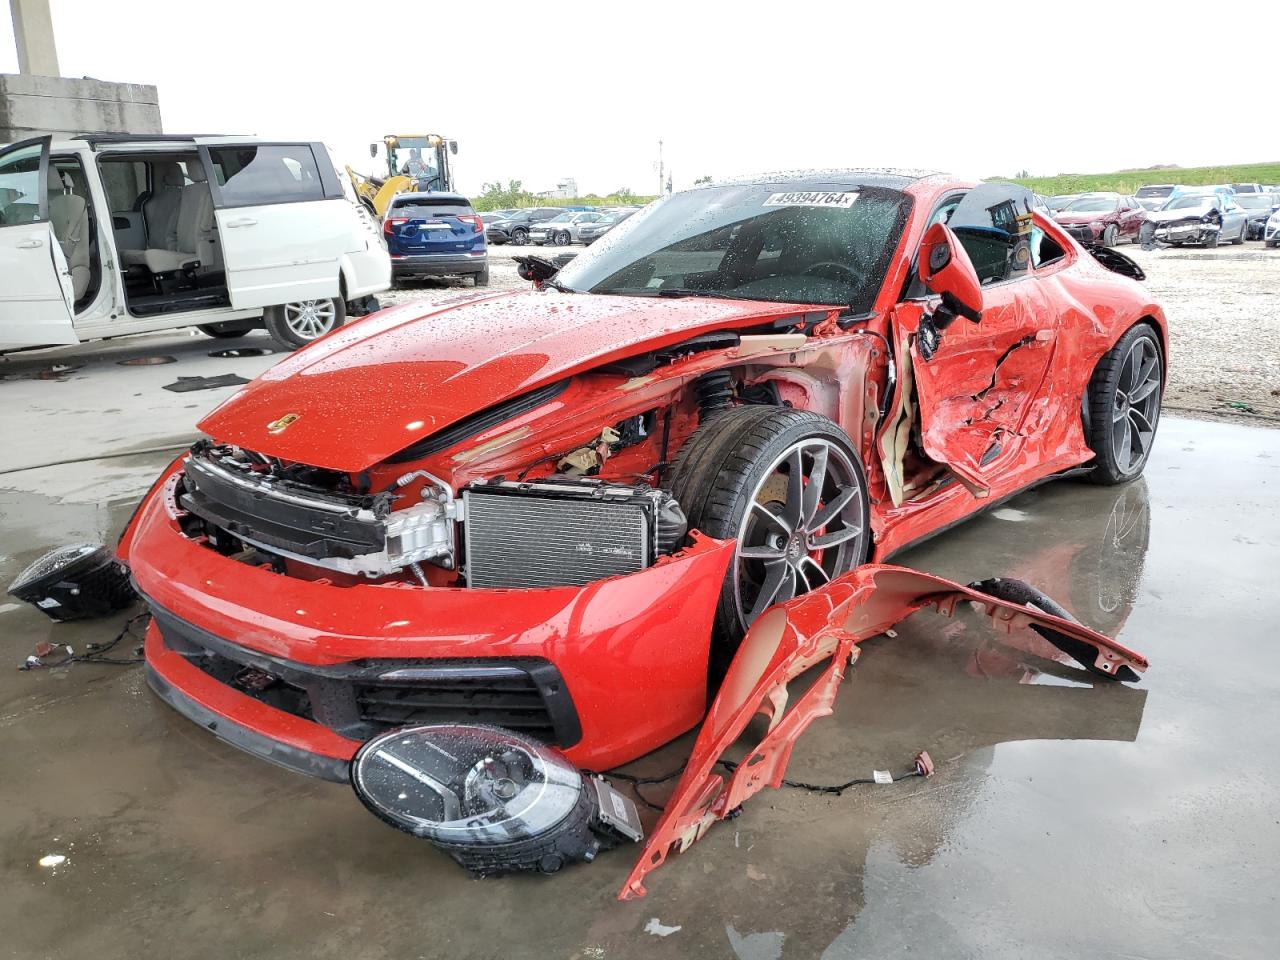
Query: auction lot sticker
[812, 199]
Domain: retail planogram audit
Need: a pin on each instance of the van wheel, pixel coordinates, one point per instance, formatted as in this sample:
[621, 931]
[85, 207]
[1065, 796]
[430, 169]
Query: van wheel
[789, 486]
[228, 330]
[294, 325]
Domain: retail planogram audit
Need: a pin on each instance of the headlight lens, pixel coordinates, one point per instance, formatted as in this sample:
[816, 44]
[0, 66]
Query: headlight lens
[494, 800]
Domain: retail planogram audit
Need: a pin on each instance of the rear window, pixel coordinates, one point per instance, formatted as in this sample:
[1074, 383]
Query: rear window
[269, 173]
[427, 207]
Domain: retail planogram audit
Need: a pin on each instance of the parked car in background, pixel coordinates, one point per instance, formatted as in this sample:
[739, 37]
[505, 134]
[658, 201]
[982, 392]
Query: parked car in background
[493, 216]
[1248, 188]
[589, 233]
[113, 234]
[1153, 196]
[1057, 202]
[1258, 208]
[562, 230]
[1201, 218]
[515, 227]
[1105, 218]
[436, 235]
[1271, 233]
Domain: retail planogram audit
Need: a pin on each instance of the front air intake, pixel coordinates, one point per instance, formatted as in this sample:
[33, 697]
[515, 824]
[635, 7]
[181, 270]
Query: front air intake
[557, 533]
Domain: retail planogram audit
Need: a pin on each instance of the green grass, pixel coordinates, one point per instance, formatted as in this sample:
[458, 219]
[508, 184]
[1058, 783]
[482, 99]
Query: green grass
[1127, 181]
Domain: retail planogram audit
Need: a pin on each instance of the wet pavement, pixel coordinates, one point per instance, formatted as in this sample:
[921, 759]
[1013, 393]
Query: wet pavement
[1067, 818]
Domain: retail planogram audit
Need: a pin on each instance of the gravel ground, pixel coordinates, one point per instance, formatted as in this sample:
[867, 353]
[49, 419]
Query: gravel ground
[1223, 307]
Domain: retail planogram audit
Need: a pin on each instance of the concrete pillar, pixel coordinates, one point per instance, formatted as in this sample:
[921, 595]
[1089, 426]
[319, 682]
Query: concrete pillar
[33, 29]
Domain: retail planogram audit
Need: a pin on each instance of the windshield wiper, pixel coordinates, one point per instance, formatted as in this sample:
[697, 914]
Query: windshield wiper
[687, 292]
[557, 285]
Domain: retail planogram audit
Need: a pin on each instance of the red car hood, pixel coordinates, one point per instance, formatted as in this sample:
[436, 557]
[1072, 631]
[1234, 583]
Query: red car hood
[373, 387]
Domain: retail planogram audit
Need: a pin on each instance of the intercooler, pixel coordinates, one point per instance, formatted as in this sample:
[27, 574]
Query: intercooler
[557, 533]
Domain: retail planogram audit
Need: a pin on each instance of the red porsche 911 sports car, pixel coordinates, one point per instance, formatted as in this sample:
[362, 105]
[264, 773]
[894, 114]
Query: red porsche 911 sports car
[558, 511]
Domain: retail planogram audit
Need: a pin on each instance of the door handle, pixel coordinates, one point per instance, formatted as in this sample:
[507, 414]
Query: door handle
[30, 244]
[242, 222]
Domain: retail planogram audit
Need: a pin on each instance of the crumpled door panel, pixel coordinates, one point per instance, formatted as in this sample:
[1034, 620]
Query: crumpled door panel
[826, 626]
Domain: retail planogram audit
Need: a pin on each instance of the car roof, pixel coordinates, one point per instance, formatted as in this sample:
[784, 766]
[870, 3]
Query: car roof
[892, 178]
[94, 141]
[434, 195]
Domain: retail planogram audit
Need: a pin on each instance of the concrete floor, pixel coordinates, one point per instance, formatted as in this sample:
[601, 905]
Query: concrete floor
[1065, 820]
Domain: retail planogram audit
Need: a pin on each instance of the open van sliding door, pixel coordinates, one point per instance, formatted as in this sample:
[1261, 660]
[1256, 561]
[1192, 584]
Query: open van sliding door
[278, 208]
[35, 284]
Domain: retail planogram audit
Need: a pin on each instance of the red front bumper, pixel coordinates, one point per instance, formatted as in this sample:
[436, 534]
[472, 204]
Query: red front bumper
[632, 651]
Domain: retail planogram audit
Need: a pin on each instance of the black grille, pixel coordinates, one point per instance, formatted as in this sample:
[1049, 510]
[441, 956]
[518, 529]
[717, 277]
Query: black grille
[365, 697]
[512, 702]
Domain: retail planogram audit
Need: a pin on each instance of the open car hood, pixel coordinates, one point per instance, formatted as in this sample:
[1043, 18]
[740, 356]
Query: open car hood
[824, 627]
[375, 386]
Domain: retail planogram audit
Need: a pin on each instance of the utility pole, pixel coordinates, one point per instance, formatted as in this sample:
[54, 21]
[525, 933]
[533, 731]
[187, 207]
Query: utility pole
[662, 180]
[33, 30]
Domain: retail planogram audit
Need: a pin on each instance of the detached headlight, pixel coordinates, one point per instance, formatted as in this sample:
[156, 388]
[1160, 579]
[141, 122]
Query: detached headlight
[493, 800]
[81, 580]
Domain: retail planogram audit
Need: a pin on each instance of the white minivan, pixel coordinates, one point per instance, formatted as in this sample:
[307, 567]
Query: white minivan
[104, 235]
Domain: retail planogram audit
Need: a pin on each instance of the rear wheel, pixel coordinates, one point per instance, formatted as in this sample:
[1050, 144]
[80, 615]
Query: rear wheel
[1124, 406]
[1240, 238]
[294, 325]
[481, 279]
[788, 485]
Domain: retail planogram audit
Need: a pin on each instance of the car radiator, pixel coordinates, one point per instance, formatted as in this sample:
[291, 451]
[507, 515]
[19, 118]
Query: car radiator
[564, 532]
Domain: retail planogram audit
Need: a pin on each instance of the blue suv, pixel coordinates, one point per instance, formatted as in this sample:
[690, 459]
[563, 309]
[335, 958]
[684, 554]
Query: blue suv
[435, 235]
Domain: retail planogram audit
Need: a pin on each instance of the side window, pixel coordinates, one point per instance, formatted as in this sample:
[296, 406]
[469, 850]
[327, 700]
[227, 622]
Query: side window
[251, 175]
[994, 223]
[125, 182]
[20, 186]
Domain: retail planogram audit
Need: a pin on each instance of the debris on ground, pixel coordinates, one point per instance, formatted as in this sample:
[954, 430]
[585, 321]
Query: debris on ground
[187, 384]
[58, 371]
[659, 929]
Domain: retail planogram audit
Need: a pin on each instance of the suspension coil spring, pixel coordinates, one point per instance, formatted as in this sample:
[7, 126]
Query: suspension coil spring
[714, 391]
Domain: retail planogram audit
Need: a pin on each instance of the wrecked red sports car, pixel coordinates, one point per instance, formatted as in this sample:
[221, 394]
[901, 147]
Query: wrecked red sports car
[557, 512]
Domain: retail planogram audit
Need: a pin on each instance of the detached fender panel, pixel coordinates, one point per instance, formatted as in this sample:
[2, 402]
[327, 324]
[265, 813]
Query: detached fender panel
[826, 625]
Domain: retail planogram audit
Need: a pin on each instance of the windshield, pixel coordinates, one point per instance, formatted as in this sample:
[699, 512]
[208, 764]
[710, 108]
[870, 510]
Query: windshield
[1090, 205]
[1153, 192]
[1189, 200]
[786, 243]
[561, 218]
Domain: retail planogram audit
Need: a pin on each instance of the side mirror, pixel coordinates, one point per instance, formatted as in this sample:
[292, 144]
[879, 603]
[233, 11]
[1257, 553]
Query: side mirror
[945, 268]
[453, 147]
[373, 149]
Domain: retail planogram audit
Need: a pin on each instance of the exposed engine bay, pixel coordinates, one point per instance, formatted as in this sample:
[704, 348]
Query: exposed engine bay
[563, 529]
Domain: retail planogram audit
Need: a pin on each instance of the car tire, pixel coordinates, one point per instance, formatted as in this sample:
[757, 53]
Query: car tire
[1119, 430]
[1212, 242]
[520, 236]
[481, 279]
[227, 331]
[294, 325]
[563, 238]
[741, 455]
[1238, 241]
[1110, 236]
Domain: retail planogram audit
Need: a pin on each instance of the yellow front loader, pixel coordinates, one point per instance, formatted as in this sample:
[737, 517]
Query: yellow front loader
[415, 163]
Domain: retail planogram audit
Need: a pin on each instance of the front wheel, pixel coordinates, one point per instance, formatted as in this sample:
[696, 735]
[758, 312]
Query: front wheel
[294, 325]
[1124, 406]
[789, 487]
[562, 238]
[1110, 236]
[519, 236]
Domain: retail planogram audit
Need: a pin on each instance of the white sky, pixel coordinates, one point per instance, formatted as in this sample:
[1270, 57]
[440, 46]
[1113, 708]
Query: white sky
[732, 88]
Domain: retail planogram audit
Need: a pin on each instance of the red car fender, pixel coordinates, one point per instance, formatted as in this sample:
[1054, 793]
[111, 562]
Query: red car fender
[826, 624]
